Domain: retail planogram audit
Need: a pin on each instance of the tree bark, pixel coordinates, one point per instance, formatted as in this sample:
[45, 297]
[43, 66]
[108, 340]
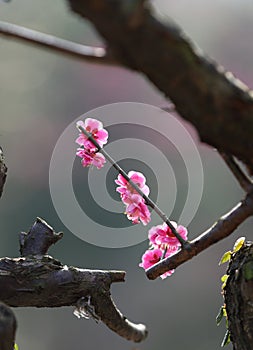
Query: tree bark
[238, 294]
[217, 104]
[38, 280]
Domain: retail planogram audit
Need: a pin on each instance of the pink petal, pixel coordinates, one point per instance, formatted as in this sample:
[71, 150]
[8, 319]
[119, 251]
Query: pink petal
[102, 136]
[80, 123]
[93, 124]
[98, 160]
[81, 139]
[167, 274]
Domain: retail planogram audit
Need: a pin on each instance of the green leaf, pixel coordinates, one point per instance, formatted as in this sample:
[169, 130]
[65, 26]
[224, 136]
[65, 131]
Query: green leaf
[226, 339]
[224, 281]
[16, 346]
[225, 257]
[238, 244]
[220, 316]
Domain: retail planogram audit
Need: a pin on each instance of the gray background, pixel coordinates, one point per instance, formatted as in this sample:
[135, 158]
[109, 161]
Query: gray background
[40, 95]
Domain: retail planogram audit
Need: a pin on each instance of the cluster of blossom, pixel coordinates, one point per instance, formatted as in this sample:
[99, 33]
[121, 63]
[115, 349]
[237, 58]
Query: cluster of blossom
[163, 243]
[136, 209]
[87, 151]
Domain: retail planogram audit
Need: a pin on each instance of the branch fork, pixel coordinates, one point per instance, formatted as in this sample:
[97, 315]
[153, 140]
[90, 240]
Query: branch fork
[37, 279]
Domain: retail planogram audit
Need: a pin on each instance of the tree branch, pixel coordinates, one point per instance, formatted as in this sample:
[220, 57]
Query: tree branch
[220, 106]
[38, 280]
[3, 172]
[220, 230]
[88, 53]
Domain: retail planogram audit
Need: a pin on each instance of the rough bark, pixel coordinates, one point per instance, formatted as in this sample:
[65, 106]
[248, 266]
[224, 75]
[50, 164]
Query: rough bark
[238, 295]
[220, 106]
[38, 280]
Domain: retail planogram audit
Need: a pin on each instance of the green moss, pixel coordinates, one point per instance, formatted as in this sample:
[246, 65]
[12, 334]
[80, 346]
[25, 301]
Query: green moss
[248, 271]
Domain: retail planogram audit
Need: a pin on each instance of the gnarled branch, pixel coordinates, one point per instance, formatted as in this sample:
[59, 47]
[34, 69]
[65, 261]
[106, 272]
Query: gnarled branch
[38, 280]
[217, 104]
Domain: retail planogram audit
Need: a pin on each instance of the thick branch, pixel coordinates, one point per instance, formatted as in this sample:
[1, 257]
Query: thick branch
[220, 106]
[238, 295]
[41, 281]
[89, 53]
[220, 230]
[3, 172]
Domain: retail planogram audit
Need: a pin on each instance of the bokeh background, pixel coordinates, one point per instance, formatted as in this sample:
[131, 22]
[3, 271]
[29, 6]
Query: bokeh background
[41, 93]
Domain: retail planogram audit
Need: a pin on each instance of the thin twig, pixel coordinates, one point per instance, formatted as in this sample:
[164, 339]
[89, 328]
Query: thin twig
[89, 53]
[244, 181]
[3, 171]
[148, 201]
[220, 230]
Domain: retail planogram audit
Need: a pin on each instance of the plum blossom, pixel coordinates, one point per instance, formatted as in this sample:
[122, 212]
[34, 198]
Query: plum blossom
[162, 245]
[91, 158]
[137, 210]
[87, 151]
[125, 188]
[162, 235]
[95, 128]
[151, 257]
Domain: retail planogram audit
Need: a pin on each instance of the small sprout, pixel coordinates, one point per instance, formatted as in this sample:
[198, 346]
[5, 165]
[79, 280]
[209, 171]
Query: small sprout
[226, 339]
[224, 281]
[238, 244]
[222, 312]
[226, 257]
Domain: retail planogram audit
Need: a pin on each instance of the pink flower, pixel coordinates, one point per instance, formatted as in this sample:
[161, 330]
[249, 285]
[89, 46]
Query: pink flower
[91, 158]
[162, 235]
[151, 257]
[94, 127]
[126, 190]
[137, 210]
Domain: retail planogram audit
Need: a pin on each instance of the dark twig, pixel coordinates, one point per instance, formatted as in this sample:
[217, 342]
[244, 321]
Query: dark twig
[89, 53]
[220, 230]
[38, 280]
[3, 172]
[244, 181]
[136, 187]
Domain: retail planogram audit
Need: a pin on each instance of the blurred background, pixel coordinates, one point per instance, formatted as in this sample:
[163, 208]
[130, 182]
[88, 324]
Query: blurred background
[41, 93]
